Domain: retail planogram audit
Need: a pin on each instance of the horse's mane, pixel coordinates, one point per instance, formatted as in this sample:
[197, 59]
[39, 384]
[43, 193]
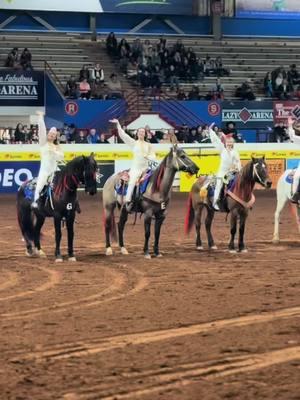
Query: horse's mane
[158, 175]
[244, 184]
[61, 177]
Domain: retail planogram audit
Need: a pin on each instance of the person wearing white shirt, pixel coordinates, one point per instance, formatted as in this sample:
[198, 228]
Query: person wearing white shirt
[51, 155]
[143, 152]
[230, 161]
[294, 139]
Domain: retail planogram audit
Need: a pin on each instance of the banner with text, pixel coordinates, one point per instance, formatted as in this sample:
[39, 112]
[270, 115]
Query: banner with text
[285, 109]
[274, 9]
[21, 88]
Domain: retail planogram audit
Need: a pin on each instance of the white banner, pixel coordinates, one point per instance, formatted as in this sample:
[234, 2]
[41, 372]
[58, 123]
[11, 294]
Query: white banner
[52, 5]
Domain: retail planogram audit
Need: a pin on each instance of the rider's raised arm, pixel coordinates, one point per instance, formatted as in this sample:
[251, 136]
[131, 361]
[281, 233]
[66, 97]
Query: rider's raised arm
[125, 137]
[215, 140]
[42, 130]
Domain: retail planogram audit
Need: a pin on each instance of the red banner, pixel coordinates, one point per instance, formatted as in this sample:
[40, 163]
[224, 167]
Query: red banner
[282, 110]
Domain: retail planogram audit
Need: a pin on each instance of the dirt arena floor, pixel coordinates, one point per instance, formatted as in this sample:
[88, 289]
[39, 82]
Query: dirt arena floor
[190, 325]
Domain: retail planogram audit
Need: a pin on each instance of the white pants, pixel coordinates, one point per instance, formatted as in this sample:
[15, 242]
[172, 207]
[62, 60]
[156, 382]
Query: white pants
[296, 179]
[218, 188]
[42, 180]
[134, 175]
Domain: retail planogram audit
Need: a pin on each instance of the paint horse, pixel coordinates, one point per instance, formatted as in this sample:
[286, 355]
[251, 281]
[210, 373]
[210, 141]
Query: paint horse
[238, 201]
[152, 203]
[59, 202]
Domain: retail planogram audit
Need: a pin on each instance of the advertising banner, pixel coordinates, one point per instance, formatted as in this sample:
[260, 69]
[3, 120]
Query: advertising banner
[178, 7]
[13, 174]
[285, 109]
[277, 9]
[248, 114]
[21, 88]
[276, 168]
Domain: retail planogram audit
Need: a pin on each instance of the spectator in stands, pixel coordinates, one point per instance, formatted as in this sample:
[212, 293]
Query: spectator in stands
[293, 77]
[193, 136]
[281, 90]
[179, 47]
[184, 70]
[5, 137]
[136, 50]
[112, 45]
[220, 70]
[245, 91]
[97, 91]
[114, 87]
[279, 133]
[12, 60]
[62, 138]
[81, 138]
[194, 93]
[156, 79]
[205, 137]
[25, 60]
[171, 77]
[181, 94]
[230, 129]
[102, 139]
[278, 71]
[149, 135]
[72, 90]
[19, 135]
[93, 137]
[84, 73]
[96, 74]
[182, 134]
[145, 80]
[268, 86]
[218, 89]
[161, 45]
[85, 89]
[72, 133]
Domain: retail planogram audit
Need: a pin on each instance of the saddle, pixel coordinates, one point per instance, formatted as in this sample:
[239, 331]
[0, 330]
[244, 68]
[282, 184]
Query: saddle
[140, 187]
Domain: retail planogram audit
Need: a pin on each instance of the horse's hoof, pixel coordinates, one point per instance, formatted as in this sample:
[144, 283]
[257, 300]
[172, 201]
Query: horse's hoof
[59, 259]
[214, 247]
[41, 253]
[72, 259]
[244, 251]
[199, 248]
[158, 255]
[28, 254]
[124, 251]
[275, 240]
[232, 251]
[147, 256]
[109, 251]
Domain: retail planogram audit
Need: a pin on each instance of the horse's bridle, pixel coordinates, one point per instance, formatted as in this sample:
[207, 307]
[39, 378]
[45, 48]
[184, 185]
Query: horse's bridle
[177, 161]
[256, 174]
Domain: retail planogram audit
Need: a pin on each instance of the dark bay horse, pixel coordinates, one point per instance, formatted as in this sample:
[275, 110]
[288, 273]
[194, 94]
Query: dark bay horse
[60, 203]
[153, 202]
[239, 201]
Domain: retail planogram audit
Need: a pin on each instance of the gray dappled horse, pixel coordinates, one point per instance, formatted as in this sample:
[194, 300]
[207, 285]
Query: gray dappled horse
[239, 200]
[153, 202]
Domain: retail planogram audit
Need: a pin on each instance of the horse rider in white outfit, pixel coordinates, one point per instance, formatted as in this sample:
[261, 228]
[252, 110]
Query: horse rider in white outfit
[230, 161]
[143, 152]
[295, 139]
[51, 155]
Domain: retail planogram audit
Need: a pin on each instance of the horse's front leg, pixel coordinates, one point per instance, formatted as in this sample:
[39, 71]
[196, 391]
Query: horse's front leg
[121, 227]
[37, 236]
[159, 219]
[147, 227]
[208, 223]
[70, 229]
[233, 225]
[57, 225]
[243, 218]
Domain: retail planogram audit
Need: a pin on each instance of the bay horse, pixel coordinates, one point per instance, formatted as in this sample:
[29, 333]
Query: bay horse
[239, 200]
[60, 203]
[153, 203]
[284, 195]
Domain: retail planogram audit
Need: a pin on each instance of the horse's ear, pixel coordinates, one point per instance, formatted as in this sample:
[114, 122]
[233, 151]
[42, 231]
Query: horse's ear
[264, 157]
[253, 158]
[174, 147]
[92, 154]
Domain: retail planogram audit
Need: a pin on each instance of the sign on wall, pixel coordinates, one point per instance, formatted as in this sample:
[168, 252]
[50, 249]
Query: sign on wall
[21, 88]
[53, 5]
[283, 9]
[285, 109]
[13, 174]
[248, 114]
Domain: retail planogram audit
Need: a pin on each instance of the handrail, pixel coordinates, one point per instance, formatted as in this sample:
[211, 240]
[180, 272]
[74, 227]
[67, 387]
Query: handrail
[47, 67]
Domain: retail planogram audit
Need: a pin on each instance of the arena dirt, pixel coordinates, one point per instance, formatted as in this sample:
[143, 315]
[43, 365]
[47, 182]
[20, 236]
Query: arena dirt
[191, 325]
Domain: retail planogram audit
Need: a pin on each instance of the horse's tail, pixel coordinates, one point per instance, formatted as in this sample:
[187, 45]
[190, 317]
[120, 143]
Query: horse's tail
[25, 217]
[112, 223]
[189, 216]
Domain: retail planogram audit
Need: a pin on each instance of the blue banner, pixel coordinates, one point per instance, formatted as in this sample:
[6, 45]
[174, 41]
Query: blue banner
[273, 9]
[13, 174]
[21, 88]
[178, 7]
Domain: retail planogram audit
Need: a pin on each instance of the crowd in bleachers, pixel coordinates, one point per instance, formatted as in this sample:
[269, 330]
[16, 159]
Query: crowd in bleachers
[152, 65]
[19, 61]
[282, 84]
[91, 84]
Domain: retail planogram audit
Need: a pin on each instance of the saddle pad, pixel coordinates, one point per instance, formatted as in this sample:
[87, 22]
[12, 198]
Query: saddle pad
[289, 178]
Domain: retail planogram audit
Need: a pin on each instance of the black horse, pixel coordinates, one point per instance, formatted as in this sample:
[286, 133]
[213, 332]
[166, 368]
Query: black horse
[60, 203]
[153, 203]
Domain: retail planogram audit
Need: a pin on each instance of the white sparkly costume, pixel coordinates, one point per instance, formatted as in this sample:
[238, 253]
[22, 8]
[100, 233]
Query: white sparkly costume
[295, 139]
[51, 154]
[230, 160]
[142, 153]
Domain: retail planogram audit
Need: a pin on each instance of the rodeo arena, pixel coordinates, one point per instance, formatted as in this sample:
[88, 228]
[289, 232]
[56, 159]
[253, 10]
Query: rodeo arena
[150, 199]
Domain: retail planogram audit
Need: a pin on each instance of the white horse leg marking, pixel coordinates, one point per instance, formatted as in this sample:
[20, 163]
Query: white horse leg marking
[124, 251]
[282, 197]
[109, 251]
